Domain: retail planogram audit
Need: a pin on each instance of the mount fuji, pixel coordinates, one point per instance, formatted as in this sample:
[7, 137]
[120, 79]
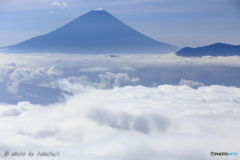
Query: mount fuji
[92, 33]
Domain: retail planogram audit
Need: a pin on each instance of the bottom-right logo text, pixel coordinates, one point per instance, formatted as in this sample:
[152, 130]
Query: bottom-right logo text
[224, 153]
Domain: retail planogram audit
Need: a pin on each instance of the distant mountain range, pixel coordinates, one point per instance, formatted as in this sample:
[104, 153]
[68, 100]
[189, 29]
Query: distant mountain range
[217, 49]
[94, 32]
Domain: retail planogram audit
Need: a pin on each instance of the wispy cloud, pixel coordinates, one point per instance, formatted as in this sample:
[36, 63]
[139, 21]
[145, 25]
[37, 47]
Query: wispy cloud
[58, 4]
[95, 69]
[127, 68]
[190, 83]
[64, 4]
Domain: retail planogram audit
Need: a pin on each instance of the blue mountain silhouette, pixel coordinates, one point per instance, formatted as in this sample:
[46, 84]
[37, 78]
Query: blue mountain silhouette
[217, 49]
[94, 32]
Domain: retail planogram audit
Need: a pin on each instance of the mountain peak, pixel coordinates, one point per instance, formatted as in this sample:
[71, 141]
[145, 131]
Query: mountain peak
[99, 9]
[94, 32]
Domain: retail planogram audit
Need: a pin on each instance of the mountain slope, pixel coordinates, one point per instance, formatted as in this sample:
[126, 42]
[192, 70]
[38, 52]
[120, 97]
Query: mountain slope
[217, 49]
[95, 32]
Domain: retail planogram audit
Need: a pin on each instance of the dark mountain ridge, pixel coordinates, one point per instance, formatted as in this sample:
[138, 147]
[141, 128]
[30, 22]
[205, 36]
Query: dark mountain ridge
[216, 49]
[94, 32]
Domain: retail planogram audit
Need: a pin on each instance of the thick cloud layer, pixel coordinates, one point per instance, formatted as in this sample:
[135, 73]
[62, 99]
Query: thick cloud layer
[35, 77]
[118, 107]
[131, 123]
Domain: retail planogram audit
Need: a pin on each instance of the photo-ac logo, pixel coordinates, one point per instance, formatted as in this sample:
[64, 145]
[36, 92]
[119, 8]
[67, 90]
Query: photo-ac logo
[223, 153]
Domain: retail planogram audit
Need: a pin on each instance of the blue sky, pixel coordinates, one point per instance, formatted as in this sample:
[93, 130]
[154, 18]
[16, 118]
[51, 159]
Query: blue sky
[181, 23]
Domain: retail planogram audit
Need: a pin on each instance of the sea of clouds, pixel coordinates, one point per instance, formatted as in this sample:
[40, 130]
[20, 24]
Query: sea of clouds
[119, 107]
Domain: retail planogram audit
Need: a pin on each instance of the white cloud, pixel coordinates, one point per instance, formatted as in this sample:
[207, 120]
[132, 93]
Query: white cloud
[53, 71]
[107, 80]
[56, 4]
[14, 75]
[123, 79]
[127, 69]
[95, 69]
[154, 84]
[137, 69]
[123, 61]
[13, 87]
[106, 116]
[166, 122]
[64, 4]
[190, 83]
